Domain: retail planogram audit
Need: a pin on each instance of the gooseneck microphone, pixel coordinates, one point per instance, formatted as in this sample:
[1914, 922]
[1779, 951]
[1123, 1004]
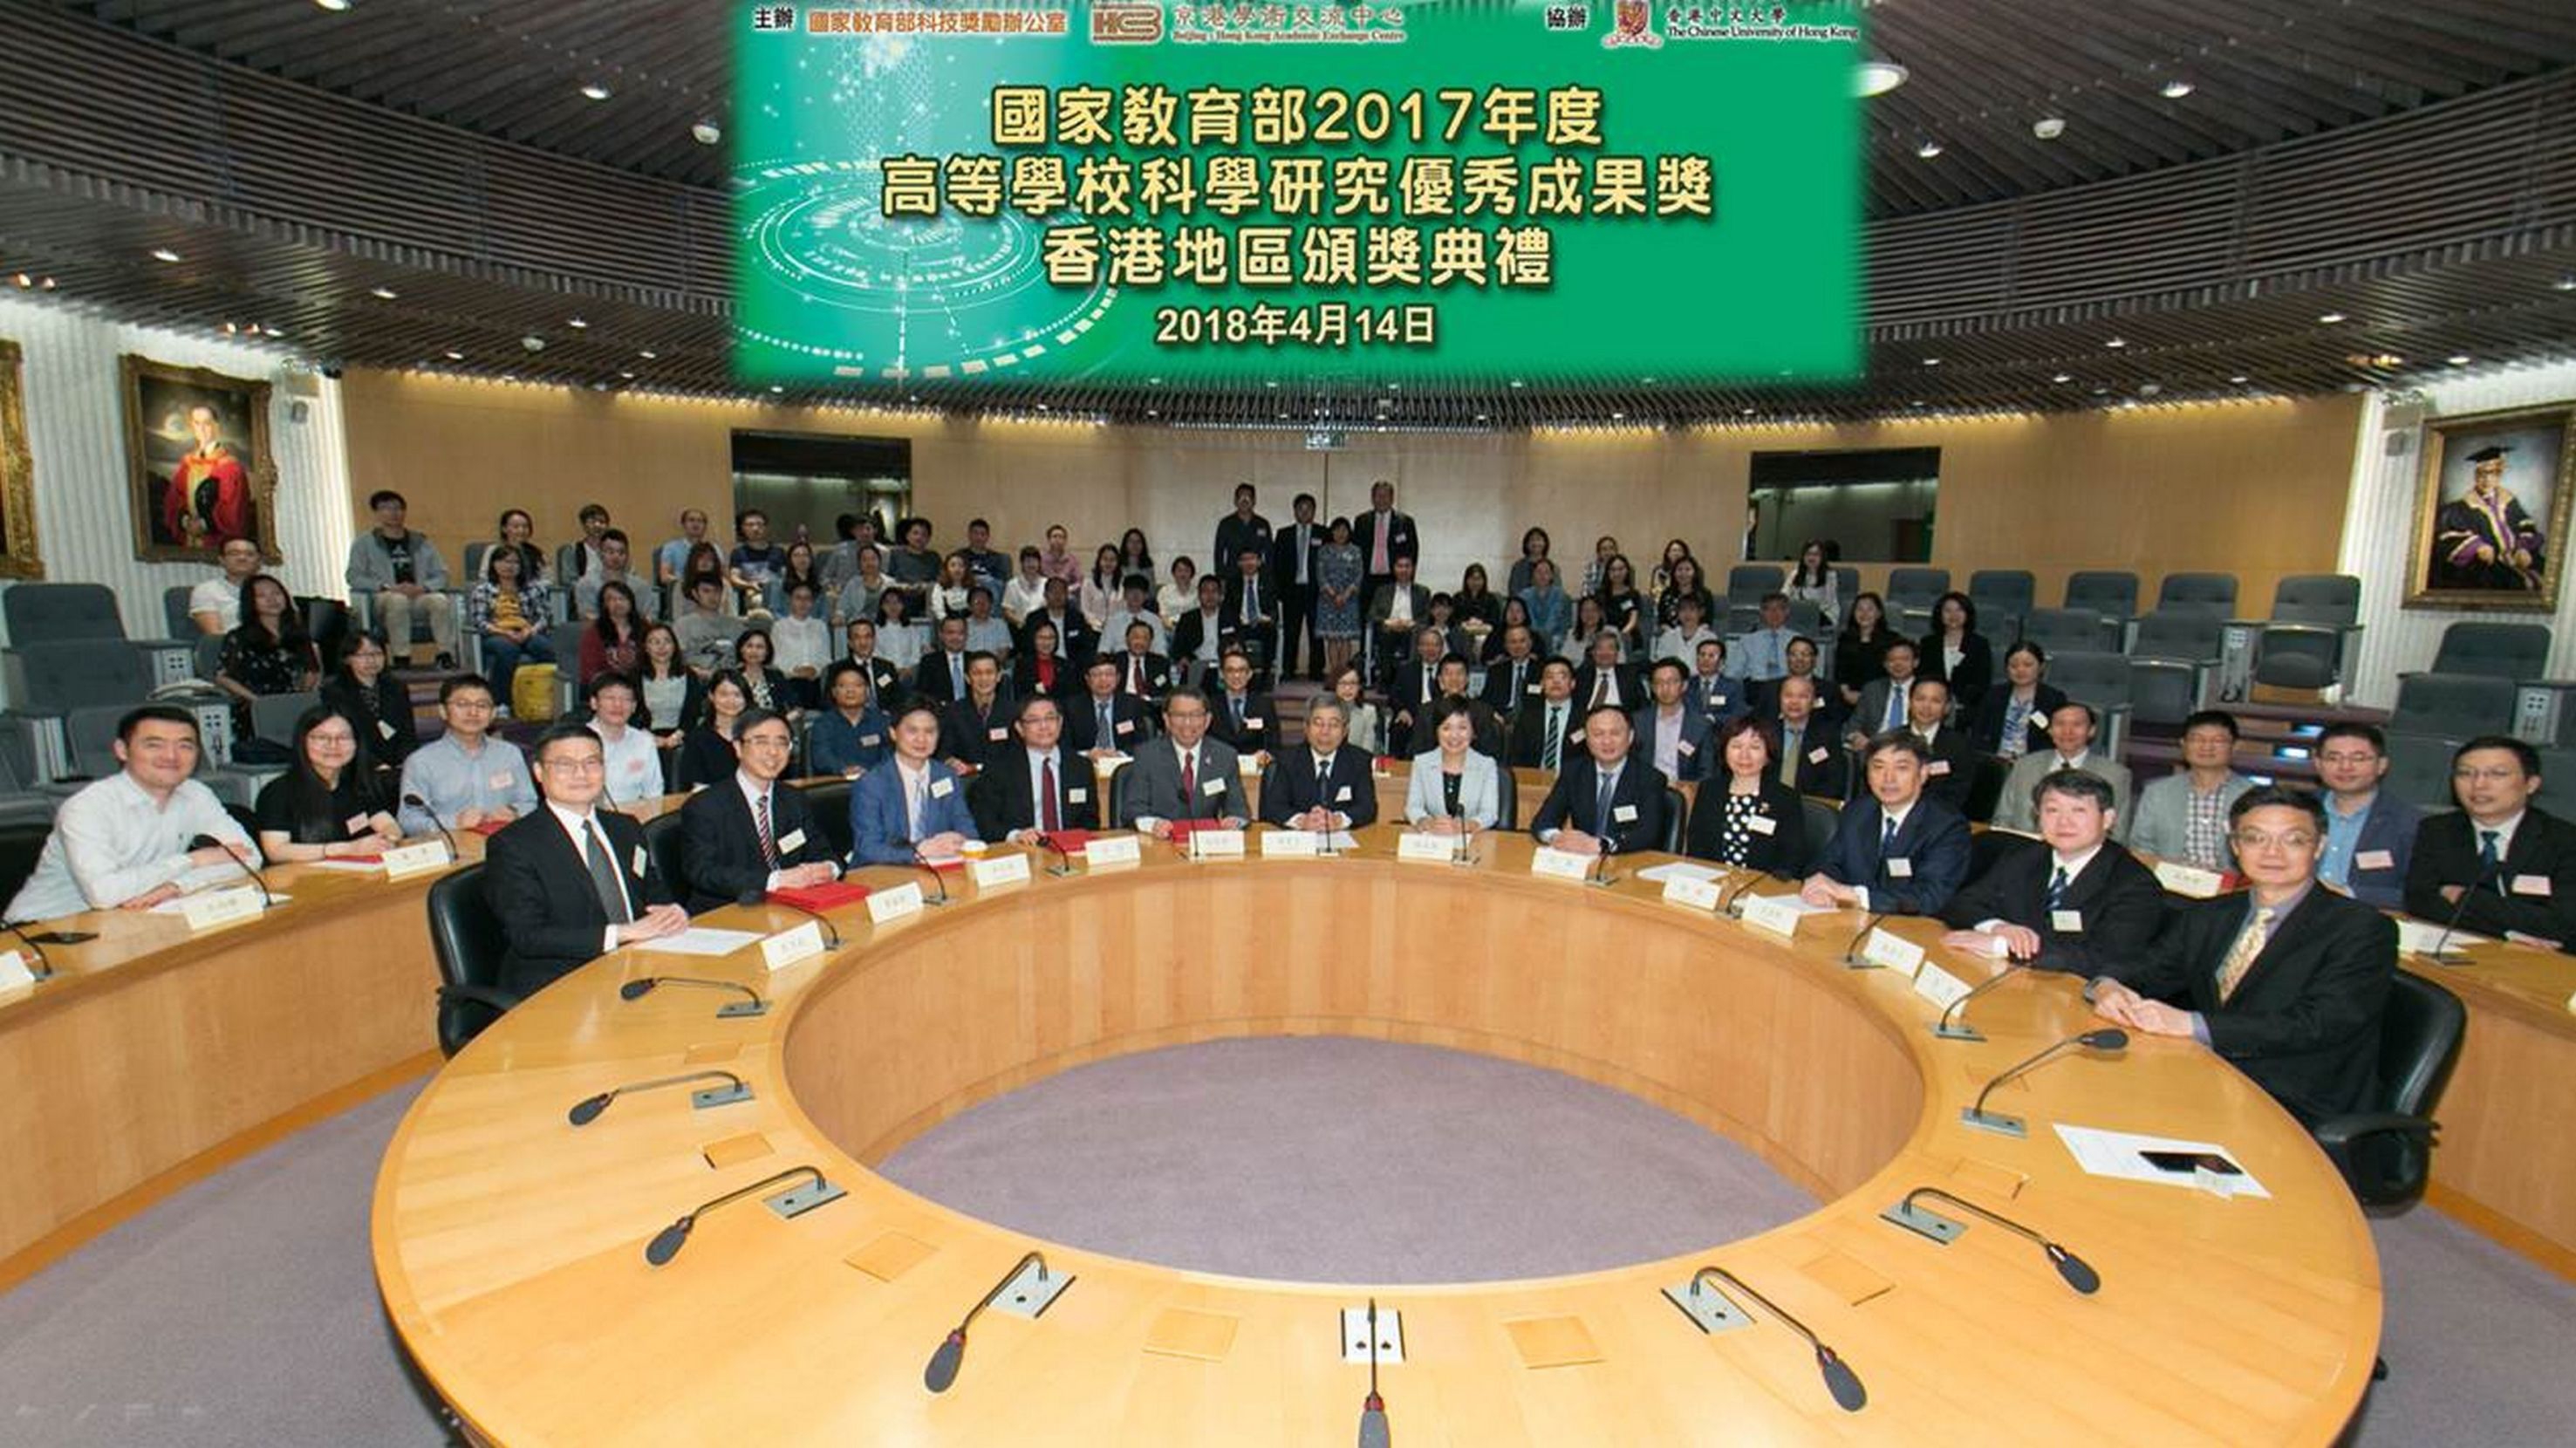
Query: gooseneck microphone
[941, 1371]
[1063, 865]
[2079, 1274]
[267, 901]
[1849, 1392]
[587, 1109]
[1948, 1028]
[413, 801]
[43, 969]
[2107, 1038]
[666, 1243]
[644, 985]
[1373, 1407]
[1851, 952]
[2441, 953]
[923, 861]
[1733, 902]
[758, 896]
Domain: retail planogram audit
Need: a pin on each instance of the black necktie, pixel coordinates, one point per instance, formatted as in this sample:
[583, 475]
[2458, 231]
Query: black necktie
[603, 876]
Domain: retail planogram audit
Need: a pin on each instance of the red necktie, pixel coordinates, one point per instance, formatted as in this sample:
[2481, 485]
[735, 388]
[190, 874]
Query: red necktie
[1135, 675]
[1046, 791]
[1189, 782]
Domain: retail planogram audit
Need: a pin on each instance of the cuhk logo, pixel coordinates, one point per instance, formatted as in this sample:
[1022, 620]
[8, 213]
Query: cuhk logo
[1632, 22]
[1126, 24]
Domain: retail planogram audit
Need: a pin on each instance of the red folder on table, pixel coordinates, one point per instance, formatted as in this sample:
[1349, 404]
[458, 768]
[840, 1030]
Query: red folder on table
[820, 898]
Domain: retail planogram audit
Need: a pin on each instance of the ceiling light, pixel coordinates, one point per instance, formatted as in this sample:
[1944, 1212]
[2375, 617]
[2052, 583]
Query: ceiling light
[648, 354]
[578, 323]
[1042, 407]
[1878, 77]
[533, 343]
[1748, 412]
[2175, 90]
[2565, 284]
[1931, 361]
[455, 356]
[1928, 149]
[2240, 379]
[164, 254]
[2116, 343]
[1618, 417]
[334, 6]
[1516, 382]
[706, 133]
[2048, 128]
[629, 376]
[776, 390]
[595, 91]
[2458, 359]
[2150, 389]
[1153, 412]
[2063, 377]
[1480, 417]
[2329, 318]
[382, 294]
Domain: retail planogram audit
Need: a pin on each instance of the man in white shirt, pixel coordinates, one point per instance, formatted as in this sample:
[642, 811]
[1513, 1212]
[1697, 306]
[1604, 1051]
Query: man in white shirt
[2070, 738]
[1025, 594]
[1138, 607]
[1690, 629]
[215, 605]
[634, 764]
[123, 842]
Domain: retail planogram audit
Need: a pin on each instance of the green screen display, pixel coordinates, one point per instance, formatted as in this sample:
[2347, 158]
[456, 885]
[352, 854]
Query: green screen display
[1121, 193]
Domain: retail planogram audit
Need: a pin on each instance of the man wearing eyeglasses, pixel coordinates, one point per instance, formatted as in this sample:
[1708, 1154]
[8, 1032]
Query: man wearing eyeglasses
[2285, 980]
[2502, 865]
[570, 881]
[741, 841]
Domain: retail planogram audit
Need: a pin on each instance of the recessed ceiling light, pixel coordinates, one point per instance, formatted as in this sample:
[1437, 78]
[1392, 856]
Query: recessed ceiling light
[1153, 412]
[1931, 361]
[164, 254]
[334, 6]
[533, 343]
[629, 376]
[1878, 77]
[1918, 402]
[2174, 90]
[595, 91]
[706, 133]
[775, 389]
[1283, 417]
[2048, 128]
[2240, 379]
[2150, 389]
[578, 323]
[2101, 391]
[1044, 407]
[2329, 318]
[2458, 359]
[2565, 284]
[455, 356]
[1748, 412]
[1928, 149]
[382, 294]
[1516, 382]
[1618, 417]
[648, 354]
[2116, 343]
[1272, 385]
[2063, 377]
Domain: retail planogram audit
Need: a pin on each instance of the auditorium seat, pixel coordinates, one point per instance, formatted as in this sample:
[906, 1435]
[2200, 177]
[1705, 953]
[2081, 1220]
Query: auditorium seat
[466, 938]
[1911, 592]
[2004, 597]
[2063, 630]
[1822, 816]
[2419, 771]
[2105, 681]
[2182, 647]
[2558, 782]
[1747, 582]
[174, 612]
[2386, 1152]
[2452, 706]
[2111, 593]
[2313, 624]
[1986, 790]
[2496, 650]
[2212, 594]
[1507, 799]
[46, 681]
[21, 841]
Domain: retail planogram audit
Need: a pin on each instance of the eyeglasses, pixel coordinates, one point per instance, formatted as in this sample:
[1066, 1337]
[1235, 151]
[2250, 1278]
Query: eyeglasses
[2361, 756]
[2497, 774]
[583, 764]
[764, 741]
[2257, 840]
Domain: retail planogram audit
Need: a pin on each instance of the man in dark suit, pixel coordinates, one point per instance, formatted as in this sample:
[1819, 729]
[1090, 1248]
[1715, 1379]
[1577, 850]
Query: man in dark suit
[1714, 692]
[1295, 572]
[1606, 800]
[1321, 785]
[749, 835]
[1127, 724]
[1451, 683]
[1243, 719]
[2285, 980]
[1397, 608]
[2502, 865]
[885, 681]
[1549, 729]
[1240, 530]
[979, 724]
[1885, 701]
[1897, 851]
[1251, 613]
[1036, 785]
[2076, 905]
[1073, 633]
[1512, 679]
[1141, 671]
[940, 678]
[1199, 636]
[1603, 679]
[1952, 768]
[1416, 686]
[570, 882]
[1811, 755]
[1184, 775]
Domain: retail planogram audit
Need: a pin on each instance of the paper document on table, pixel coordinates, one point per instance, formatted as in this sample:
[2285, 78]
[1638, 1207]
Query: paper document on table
[179, 905]
[2117, 1154]
[700, 940]
[355, 867]
[1679, 870]
[2421, 937]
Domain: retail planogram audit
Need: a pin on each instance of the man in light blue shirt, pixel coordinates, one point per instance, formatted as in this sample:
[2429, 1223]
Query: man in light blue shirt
[465, 777]
[1763, 654]
[2370, 833]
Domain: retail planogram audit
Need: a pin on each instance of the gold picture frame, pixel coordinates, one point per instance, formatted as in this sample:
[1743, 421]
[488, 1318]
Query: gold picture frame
[230, 487]
[18, 555]
[2503, 550]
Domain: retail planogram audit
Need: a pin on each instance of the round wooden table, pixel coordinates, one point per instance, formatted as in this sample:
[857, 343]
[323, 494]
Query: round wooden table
[511, 1244]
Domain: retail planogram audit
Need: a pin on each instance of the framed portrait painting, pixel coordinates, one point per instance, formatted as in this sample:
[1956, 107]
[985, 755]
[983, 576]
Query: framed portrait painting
[196, 443]
[2491, 510]
[18, 556]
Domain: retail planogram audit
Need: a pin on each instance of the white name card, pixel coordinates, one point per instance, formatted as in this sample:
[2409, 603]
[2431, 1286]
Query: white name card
[1560, 864]
[1778, 914]
[219, 907]
[1426, 849]
[1692, 894]
[1938, 986]
[1216, 844]
[1892, 952]
[1112, 850]
[991, 871]
[2189, 880]
[790, 946]
[1291, 844]
[1248, 765]
[14, 972]
[404, 861]
[894, 903]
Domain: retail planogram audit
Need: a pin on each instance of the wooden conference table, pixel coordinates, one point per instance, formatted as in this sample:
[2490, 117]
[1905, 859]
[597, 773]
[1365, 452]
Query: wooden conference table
[509, 1243]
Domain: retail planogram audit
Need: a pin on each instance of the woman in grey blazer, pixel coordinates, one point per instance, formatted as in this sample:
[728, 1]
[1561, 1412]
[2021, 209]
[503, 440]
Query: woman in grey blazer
[1453, 785]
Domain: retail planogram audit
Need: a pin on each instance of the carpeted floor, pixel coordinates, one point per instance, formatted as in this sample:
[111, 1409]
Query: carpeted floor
[243, 1311]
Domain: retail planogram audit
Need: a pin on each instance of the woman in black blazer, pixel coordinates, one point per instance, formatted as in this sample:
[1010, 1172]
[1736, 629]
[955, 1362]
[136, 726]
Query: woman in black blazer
[1065, 676]
[2026, 694]
[1746, 816]
[706, 752]
[1954, 631]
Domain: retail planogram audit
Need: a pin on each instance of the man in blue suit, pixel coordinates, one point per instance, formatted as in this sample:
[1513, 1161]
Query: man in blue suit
[2370, 833]
[1897, 851]
[912, 802]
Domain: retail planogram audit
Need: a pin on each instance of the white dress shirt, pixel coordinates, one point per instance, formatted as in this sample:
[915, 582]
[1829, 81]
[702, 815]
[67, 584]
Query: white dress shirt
[579, 826]
[113, 842]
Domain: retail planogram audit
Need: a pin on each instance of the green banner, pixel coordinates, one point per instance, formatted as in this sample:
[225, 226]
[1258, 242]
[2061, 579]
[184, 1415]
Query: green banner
[1124, 193]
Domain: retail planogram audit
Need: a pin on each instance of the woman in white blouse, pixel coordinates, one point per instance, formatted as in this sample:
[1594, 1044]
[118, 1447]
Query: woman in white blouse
[1367, 730]
[1455, 790]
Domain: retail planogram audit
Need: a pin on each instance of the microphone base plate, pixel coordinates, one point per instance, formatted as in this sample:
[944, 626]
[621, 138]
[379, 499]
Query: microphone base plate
[720, 1095]
[1958, 1032]
[1062, 871]
[1355, 1336]
[1029, 1294]
[1710, 1309]
[1994, 1121]
[740, 1009]
[1924, 1223]
[2451, 958]
[797, 1201]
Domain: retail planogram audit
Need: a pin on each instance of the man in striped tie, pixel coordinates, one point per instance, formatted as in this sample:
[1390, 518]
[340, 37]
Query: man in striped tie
[2286, 980]
[751, 835]
[2078, 904]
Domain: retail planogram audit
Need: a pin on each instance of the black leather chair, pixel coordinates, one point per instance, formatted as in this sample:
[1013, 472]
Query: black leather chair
[662, 842]
[1676, 813]
[2386, 1154]
[20, 844]
[1507, 797]
[466, 937]
[1986, 788]
[1989, 848]
[827, 812]
[1117, 794]
[1823, 818]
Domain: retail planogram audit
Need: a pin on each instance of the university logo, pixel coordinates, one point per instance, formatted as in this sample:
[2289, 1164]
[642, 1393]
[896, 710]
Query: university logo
[1126, 24]
[1632, 22]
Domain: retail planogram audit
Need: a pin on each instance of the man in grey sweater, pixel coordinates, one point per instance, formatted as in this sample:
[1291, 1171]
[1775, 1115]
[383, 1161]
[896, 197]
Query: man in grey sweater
[408, 579]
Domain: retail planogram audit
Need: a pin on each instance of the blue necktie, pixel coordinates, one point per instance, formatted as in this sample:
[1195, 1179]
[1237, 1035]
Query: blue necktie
[2490, 865]
[957, 674]
[1887, 839]
[1601, 804]
[2057, 889]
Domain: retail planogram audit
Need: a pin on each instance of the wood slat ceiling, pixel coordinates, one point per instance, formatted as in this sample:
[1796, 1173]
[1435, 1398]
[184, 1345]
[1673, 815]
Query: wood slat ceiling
[2411, 166]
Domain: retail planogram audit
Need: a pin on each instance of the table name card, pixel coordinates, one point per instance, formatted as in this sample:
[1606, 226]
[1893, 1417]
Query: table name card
[1892, 952]
[2189, 880]
[1778, 914]
[1426, 849]
[1291, 844]
[14, 972]
[1692, 894]
[790, 946]
[1560, 864]
[219, 907]
[404, 861]
[997, 870]
[894, 903]
[1112, 850]
[1938, 986]
[1216, 844]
